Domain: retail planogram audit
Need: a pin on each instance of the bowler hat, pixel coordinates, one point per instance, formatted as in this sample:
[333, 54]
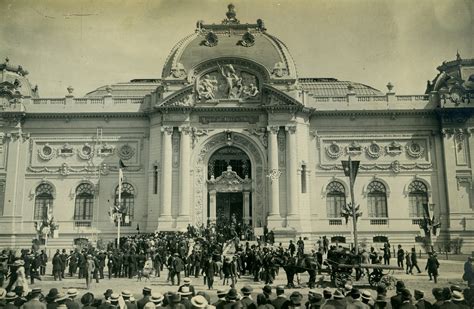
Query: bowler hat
[232, 294]
[267, 289]
[246, 290]
[175, 298]
[51, 294]
[87, 299]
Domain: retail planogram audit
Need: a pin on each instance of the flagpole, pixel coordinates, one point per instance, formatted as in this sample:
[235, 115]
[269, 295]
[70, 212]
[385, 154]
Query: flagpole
[119, 213]
[354, 214]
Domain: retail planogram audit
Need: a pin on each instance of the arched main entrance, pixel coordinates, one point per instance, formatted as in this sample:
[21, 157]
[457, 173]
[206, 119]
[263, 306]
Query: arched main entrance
[229, 186]
[241, 184]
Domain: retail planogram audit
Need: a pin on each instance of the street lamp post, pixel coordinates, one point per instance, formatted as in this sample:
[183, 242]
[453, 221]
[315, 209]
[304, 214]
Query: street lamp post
[351, 210]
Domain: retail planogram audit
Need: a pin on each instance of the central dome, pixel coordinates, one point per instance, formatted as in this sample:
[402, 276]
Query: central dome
[230, 39]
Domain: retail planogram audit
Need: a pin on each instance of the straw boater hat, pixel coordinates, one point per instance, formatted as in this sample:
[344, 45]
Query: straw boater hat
[114, 297]
[366, 295]
[156, 298]
[457, 296]
[175, 298]
[199, 301]
[185, 291]
[61, 297]
[71, 292]
[187, 280]
[126, 293]
[10, 296]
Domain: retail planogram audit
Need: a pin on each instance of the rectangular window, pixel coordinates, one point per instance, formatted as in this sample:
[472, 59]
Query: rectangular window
[155, 180]
[303, 178]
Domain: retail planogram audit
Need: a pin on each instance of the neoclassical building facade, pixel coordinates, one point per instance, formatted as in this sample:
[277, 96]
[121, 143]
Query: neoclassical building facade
[230, 129]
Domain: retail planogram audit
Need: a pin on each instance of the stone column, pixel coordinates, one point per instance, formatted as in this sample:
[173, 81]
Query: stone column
[165, 219]
[293, 214]
[274, 219]
[246, 206]
[184, 177]
[212, 205]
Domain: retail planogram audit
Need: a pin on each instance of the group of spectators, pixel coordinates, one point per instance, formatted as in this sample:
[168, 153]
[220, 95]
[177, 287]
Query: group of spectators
[186, 297]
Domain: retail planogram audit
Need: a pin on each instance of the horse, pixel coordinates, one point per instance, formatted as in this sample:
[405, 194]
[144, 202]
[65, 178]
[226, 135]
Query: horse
[289, 264]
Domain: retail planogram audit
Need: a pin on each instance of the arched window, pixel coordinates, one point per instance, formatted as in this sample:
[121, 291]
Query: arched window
[128, 201]
[43, 201]
[418, 195]
[377, 200]
[335, 199]
[84, 204]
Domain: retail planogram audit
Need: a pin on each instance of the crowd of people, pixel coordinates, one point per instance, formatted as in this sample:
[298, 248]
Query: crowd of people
[216, 251]
[187, 297]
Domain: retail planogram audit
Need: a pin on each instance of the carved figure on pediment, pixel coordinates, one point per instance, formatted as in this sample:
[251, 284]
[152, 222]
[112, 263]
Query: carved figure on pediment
[207, 87]
[250, 91]
[279, 70]
[234, 82]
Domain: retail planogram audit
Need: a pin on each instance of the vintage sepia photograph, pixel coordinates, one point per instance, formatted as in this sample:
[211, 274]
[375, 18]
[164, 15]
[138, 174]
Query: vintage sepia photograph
[180, 154]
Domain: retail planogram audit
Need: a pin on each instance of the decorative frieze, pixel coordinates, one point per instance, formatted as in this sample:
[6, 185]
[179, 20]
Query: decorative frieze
[373, 150]
[227, 118]
[46, 152]
[394, 166]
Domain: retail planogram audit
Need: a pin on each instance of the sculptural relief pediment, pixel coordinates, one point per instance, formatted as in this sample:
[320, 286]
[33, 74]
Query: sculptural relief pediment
[227, 82]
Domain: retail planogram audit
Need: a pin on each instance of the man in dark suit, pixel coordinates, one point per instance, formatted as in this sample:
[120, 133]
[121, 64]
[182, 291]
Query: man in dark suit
[414, 261]
[178, 267]
[246, 300]
[34, 302]
[396, 301]
[420, 301]
[57, 265]
[280, 297]
[406, 300]
[146, 297]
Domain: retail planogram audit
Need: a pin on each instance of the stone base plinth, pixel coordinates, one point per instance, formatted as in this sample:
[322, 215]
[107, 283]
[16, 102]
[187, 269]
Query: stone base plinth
[182, 223]
[274, 222]
[165, 223]
[284, 235]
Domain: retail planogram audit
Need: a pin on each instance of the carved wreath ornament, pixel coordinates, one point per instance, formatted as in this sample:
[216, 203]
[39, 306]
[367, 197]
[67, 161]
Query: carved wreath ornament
[415, 150]
[334, 151]
[46, 152]
[248, 39]
[86, 152]
[374, 150]
[126, 152]
[211, 39]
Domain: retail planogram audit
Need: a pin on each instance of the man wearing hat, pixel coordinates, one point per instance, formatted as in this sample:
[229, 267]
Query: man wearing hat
[406, 300]
[114, 300]
[156, 299]
[367, 298]
[221, 294]
[420, 301]
[459, 301]
[87, 300]
[187, 283]
[106, 303]
[438, 295]
[356, 302]
[295, 301]
[230, 299]
[468, 272]
[34, 302]
[267, 291]
[432, 266]
[10, 298]
[380, 302]
[280, 297]
[199, 301]
[396, 301]
[210, 270]
[177, 268]
[246, 300]
[315, 300]
[126, 294]
[71, 302]
[186, 295]
[175, 301]
[145, 299]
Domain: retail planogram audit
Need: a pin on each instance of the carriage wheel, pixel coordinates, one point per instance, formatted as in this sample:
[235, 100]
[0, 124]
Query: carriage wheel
[374, 278]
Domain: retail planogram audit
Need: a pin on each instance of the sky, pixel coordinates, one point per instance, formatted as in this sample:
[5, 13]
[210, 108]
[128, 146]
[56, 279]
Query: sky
[90, 43]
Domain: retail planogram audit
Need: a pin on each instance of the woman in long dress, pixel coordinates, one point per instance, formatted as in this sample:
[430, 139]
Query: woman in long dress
[21, 276]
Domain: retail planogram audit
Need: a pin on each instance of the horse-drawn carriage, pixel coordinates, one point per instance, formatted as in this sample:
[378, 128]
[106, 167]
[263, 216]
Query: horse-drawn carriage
[342, 266]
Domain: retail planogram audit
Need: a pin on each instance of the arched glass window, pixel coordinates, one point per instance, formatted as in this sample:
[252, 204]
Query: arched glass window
[377, 200]
[84, 202]
[43, 201]
[128, 200]
[418, 195]
[335, 199]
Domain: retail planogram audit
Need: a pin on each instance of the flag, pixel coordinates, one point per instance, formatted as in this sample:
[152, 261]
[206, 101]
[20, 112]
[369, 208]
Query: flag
[350, 168]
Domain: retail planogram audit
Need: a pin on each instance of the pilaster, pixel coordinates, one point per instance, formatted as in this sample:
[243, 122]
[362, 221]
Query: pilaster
[184, 177]
[274, 218]
[165, 219]
[293, 215]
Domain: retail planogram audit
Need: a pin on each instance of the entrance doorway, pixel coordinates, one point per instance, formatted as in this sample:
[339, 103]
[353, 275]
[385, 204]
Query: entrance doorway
[228, 205]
